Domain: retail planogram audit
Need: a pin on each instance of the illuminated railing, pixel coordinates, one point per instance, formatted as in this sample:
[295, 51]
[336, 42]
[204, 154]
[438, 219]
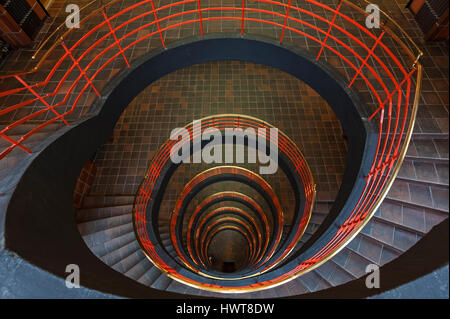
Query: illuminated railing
[146, 204]
[217, 172]
[194, 228]
[382, 62]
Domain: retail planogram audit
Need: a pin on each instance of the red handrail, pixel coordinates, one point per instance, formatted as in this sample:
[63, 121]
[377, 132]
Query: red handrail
[392, 79]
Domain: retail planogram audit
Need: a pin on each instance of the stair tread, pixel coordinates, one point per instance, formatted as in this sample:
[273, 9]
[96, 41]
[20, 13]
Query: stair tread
[149, 276]
[162, 282]
[91, 214]
[139, 269]
[104, 248]
[105, 235]
[98, 201]
[424, 172]
[115, 256]
[129, 261]
[98, 225]
[414, 205]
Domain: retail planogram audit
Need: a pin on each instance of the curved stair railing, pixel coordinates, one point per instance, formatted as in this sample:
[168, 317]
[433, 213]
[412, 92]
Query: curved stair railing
[74, 63]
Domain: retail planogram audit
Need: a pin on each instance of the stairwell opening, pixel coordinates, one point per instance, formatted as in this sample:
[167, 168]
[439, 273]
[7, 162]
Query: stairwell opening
[223, 87]
[260, 52]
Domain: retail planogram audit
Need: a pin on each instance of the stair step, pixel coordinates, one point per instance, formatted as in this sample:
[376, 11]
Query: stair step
[263, 294]
[340, 276]
[97, 201]
[297, 287]
[422, 182]
[431, 148]
[139, 269]
[113, 244]
[149, 276]
[164, 236]
[306, 236]
[177, 287]
[115, 256]
[426, 159]
[371, 248]
[423, 172]
[98, 225]
[379, 221]
[356, 263]
[433, 197]
[103, 236]
[91, 214]
[314, 281]
[429, 136]
[402, 216]
[192, 291]
[162, 282]
[322, 207]
[129, 261]
[317, 219]
[415, 206]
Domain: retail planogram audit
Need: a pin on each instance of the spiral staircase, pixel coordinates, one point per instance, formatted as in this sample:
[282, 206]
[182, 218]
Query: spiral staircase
[297, 237]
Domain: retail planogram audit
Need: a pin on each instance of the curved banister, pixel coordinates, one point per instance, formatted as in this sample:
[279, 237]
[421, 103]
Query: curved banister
[393, 81]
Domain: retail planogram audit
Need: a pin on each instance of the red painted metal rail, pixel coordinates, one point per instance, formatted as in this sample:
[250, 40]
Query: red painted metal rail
[250, 201]
[214, 172]
[147, 188]
[382, 63]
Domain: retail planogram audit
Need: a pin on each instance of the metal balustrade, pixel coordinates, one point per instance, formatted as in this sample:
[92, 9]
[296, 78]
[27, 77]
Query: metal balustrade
[389, 78]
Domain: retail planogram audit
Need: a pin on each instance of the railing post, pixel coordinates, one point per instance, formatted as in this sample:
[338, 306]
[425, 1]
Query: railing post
[157, 24]
[115, 37]
[367, 58]
[285, 21]
[80, 68]
[329, 29]
[51, 108]
[200, 16]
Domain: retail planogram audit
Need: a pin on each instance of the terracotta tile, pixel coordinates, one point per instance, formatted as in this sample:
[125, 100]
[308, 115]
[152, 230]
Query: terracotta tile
[425, 171]
[342, 257]
[420, 195]
[392, 212]
[399, 190]
[429, 125]
[387, 255]
[403, 240]
[339, 278]
[407, 170]
[440, 197]
[356, 265]
[370, 249]
[432, 219]
[426, 148]
[383, 232]
[442, 148]
[414, 218]
[442, 172]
